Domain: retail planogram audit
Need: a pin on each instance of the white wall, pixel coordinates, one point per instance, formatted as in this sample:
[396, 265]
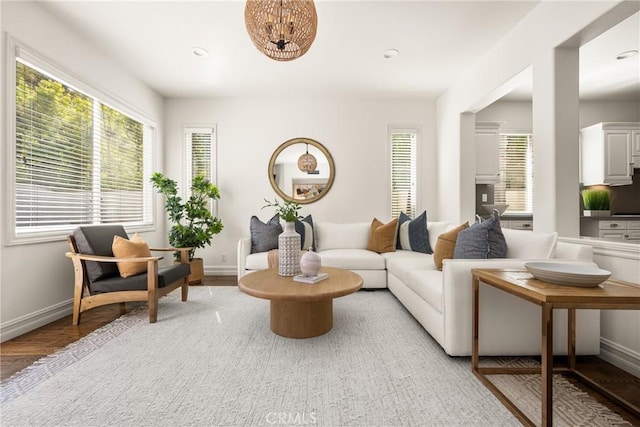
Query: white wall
[36, 280]
[249, 130]
[525, 46]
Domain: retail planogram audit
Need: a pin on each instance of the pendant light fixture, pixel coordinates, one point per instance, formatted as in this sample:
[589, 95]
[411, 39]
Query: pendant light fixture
[307, 162]
[281, 29]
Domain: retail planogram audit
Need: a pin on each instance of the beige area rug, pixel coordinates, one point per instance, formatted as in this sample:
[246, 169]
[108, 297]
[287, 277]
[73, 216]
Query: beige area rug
[213, 361]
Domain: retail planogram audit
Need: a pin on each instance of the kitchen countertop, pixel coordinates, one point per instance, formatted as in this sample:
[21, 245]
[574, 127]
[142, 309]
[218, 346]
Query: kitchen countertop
[614, 216]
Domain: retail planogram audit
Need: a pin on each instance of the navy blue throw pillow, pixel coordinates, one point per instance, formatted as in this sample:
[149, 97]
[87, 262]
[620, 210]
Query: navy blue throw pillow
[413, 234]
[304, 228]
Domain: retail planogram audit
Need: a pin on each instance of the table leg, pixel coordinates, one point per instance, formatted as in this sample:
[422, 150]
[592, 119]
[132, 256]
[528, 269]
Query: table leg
[306, 319]
[571, 337]
[547, 365]
[474, 345]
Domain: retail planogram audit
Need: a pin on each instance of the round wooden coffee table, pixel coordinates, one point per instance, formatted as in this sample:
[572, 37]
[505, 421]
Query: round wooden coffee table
[300, 310]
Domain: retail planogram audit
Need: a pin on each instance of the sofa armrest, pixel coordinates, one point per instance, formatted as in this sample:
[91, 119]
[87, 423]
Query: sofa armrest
[568, 251]
[457, 296]
[244, 249]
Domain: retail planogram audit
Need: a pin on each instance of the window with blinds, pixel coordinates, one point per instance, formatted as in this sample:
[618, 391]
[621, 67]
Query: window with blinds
[403, 171]
[77, 160]
[199, 143]
[200, 146]
[515, 186]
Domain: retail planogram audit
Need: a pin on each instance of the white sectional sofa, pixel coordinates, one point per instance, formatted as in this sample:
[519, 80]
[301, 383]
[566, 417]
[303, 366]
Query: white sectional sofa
[441, 300]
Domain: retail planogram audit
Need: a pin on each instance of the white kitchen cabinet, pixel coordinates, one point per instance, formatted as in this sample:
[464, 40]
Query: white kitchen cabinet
[635, 148]
[519, 224]
[619, 230]
[487, 142]
[606, 153]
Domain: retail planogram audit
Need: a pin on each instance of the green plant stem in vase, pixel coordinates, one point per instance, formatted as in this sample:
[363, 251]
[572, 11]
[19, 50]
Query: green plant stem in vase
[286, 210]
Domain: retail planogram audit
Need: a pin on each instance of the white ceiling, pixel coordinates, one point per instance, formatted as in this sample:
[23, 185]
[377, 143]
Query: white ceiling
[437, 41]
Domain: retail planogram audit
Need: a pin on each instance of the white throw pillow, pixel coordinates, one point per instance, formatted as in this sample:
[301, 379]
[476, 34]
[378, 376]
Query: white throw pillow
[436, 228]
[342, 236]
[530, 245]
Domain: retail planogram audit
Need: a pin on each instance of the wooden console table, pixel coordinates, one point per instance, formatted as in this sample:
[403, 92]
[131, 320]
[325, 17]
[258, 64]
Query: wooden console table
[611, 295]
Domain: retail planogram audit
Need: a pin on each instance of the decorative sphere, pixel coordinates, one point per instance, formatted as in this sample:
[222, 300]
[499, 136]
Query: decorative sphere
[310, 263]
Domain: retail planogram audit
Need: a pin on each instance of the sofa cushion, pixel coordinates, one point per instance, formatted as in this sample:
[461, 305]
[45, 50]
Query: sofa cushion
[352, 259]
[446, 245]
[98, 240]
[436, 228]
[136, 247]
[341, 236]
[428, 285]
[413, 234]
[382, 237]
[401, 263]
[530, 245]
[482, 240]
[304, 228]
[264, 237]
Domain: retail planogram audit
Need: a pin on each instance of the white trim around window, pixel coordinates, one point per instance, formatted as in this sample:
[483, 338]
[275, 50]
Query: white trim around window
[102, 102]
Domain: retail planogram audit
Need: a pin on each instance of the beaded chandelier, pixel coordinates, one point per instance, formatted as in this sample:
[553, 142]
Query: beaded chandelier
[307, 162]
[281, 29]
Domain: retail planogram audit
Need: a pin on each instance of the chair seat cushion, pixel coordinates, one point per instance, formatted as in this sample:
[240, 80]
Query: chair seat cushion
[166, 276]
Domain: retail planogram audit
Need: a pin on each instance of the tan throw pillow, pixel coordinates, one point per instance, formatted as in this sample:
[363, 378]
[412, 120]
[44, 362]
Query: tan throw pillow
[382, 237]
[446, 245]
[134, 248]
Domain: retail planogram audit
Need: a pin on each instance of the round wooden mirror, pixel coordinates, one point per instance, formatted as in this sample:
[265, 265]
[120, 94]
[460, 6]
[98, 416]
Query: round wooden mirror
[301, 170]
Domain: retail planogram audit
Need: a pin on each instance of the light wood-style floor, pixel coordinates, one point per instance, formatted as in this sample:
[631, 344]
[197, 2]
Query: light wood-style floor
[20, 352]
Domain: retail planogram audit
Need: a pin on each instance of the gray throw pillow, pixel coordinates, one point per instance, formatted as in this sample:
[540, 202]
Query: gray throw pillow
[472, 243]
[264, 237]
[482, 240]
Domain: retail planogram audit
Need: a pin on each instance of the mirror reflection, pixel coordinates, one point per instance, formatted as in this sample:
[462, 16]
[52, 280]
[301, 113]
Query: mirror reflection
[301, 170]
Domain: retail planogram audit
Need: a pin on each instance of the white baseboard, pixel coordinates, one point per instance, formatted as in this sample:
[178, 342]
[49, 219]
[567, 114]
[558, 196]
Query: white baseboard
[31, 321]
[219, 270]
[620, 356]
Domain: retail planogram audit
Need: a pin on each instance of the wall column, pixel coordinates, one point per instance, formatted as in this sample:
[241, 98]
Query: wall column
[555, 142]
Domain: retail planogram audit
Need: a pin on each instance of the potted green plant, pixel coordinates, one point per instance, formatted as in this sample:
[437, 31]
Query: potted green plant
[596, 202]
[193, 223]
[287, 210]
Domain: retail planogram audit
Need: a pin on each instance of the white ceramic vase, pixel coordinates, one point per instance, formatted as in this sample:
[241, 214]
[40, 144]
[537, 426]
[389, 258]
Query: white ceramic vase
[289, 251]
[310, 263]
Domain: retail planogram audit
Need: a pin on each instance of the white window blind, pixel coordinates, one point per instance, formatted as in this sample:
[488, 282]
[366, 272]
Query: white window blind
[77, 160]
[403, 171]
[515, 186]
[200, 147]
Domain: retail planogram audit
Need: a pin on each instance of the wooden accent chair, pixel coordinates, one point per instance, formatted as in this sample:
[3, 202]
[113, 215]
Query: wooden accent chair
[98, 281]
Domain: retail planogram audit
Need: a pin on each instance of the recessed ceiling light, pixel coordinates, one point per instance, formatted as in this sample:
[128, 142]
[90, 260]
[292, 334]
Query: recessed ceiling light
[391, 53]
[200, 51]
[627, 54]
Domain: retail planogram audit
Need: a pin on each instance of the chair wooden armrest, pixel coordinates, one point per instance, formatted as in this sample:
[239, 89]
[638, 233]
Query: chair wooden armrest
[98, 258]
[184, 252]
